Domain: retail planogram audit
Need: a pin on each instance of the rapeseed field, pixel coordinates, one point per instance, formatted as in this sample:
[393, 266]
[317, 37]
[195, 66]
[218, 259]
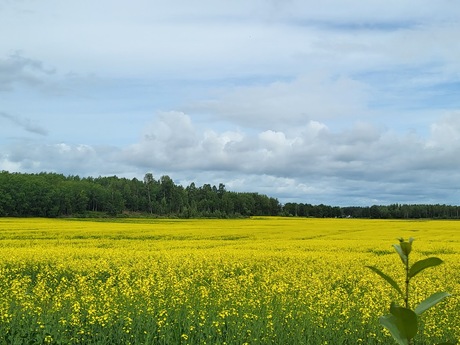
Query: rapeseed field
[246, 281]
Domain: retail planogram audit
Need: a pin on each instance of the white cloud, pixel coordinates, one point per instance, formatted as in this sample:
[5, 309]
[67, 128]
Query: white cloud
[330, 100]
[7, 165]
[283, 104]
[37, 156]
[446, 133]
[239, 38]
[357, 165]
[362, 151]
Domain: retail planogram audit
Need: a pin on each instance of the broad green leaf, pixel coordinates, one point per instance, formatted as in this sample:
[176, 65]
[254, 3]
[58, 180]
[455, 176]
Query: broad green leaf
[387, 278]
[390, 322]
[430, 301]
[406, 320]
[397, 328]
[422, 264]
[399, 250]
[447, 343]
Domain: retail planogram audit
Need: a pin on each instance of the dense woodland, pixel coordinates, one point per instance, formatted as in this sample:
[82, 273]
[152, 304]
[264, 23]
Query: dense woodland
[394, 211]
[56, 195]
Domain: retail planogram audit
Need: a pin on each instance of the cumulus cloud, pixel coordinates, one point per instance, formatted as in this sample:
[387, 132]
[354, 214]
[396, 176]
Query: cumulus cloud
[362, 164]
[361, 152]
[33, 156]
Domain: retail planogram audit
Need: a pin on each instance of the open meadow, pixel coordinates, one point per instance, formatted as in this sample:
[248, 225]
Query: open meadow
[240, 281]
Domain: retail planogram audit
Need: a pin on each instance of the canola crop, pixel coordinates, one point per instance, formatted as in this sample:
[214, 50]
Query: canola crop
[248, 281]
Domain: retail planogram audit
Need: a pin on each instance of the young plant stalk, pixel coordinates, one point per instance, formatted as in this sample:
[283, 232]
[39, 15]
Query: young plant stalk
[406, 250]
[402, 322]
[406, 298]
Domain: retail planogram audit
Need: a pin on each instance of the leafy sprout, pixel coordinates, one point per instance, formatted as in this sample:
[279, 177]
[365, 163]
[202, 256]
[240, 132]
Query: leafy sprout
[403, 322]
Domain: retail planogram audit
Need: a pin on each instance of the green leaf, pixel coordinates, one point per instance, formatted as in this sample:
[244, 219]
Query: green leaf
[407, 320]
[402, 324]
[387, 278]
[391, 323]
[422, 264]
[406, 247]
[447, 343]
[399, 250]
[430, 301]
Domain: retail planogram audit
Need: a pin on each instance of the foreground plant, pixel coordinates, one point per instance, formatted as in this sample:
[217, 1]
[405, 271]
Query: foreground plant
[403, 322]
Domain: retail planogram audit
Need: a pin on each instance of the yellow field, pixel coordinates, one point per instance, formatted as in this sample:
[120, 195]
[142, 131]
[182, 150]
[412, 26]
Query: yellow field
[254, 281]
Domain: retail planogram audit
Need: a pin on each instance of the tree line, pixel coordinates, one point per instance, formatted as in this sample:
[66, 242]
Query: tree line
[56, 195]
[393, 211]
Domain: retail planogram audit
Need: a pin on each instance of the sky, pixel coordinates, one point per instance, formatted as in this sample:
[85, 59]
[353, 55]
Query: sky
[340, 102]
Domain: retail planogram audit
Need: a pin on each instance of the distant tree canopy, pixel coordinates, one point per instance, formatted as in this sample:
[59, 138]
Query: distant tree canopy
[56, 195]
[394, 211]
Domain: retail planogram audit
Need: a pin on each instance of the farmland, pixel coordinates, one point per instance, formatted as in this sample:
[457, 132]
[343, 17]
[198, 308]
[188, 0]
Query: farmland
[241, 281]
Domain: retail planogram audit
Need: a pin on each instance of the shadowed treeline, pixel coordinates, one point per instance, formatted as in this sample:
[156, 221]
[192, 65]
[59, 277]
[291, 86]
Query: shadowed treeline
[56, 195]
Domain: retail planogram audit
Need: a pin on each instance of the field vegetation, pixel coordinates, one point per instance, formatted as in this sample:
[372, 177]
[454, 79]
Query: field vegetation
[240, 281]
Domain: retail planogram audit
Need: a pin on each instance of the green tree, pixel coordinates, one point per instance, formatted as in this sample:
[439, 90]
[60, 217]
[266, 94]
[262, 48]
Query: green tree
[148, 182]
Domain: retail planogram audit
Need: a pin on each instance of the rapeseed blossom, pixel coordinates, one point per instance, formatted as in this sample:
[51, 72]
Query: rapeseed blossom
[253, 281]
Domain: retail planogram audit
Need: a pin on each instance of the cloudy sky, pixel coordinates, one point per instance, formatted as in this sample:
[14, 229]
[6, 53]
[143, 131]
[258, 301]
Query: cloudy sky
[342, 102]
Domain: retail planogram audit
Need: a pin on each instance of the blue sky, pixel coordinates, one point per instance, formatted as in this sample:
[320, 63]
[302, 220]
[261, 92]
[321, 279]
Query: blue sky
[335, 102]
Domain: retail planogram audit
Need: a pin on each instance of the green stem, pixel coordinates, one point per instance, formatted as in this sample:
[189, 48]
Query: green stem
[406, 298]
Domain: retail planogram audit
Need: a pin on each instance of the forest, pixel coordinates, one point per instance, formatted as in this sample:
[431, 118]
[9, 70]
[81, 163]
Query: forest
[55, 195]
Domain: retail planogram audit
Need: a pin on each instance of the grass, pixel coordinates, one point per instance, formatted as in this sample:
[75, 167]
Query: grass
[253, 281]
